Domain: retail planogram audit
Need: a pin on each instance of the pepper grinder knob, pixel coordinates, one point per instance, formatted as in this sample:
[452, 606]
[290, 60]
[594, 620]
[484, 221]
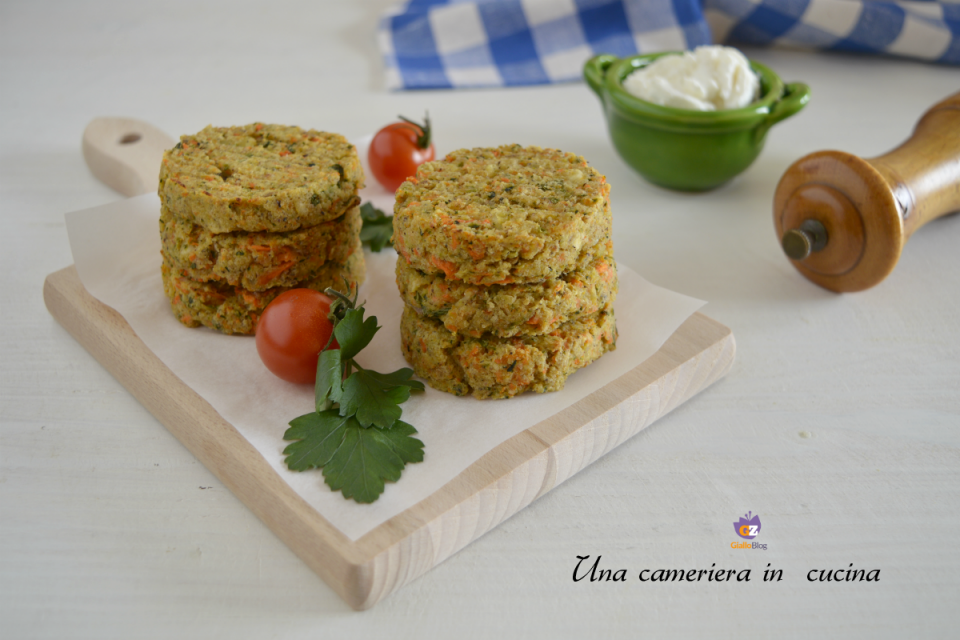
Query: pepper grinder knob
[809, 238]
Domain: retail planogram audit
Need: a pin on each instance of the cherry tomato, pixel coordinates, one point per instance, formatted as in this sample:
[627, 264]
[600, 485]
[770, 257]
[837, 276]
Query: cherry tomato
[291, 333]
[398, 149]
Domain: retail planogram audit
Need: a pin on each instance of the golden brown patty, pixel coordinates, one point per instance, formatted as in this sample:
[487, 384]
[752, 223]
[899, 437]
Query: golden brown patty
[260, 177]
[511, 309]
[491, 367]
[501, 215]
[236, 310]
[258, 261]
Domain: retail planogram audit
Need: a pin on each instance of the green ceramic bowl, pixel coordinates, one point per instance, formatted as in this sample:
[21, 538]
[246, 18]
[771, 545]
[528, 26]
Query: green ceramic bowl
[682, 149]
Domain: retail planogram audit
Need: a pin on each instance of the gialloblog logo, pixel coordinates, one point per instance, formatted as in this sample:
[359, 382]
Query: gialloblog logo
[747, 527]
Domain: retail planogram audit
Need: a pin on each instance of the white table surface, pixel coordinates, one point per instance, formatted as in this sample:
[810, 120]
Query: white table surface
[839, 423]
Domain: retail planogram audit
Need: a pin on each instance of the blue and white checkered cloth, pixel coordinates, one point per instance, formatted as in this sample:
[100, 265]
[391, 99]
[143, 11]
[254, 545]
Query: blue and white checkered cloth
[923, 30]
[430, 44]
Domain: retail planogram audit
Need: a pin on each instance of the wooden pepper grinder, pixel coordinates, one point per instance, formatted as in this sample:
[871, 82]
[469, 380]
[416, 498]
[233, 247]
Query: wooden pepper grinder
[843, 220]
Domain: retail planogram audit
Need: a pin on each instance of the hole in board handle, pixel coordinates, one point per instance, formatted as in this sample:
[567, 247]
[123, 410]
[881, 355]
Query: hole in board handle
[130, 138]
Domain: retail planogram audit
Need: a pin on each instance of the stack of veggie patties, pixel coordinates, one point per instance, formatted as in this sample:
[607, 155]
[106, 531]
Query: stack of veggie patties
[250, 212]
[506, 270]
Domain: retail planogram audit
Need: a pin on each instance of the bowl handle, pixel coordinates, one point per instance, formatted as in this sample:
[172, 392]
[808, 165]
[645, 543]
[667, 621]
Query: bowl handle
[595, 71]
[795, 97]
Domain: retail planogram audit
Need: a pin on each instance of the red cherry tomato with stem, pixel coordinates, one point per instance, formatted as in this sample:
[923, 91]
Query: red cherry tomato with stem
[291, 333]
[398, 149]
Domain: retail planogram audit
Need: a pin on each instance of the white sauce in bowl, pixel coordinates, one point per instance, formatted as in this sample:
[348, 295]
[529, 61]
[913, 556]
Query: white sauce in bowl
[708, 78]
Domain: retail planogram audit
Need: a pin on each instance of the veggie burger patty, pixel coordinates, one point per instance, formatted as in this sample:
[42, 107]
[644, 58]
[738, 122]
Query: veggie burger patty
[249, 212]
[258, 260]
[501, 215]
[230, 309]
[511, 309]
[491, 367]
[506, 270]
[260, 177]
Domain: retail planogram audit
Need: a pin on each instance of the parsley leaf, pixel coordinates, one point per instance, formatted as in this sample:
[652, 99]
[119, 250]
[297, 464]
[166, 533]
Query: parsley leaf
[375, 397]
[409, 449]
[353, 333]
[368, 457]
[329, 379]
[318, 435]
[355, 460]
[337, 437]
[377, 227]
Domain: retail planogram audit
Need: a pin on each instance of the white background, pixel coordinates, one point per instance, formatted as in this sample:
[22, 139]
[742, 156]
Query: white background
[839, 423]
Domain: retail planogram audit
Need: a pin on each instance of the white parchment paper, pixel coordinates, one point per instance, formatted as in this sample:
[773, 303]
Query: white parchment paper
[116, 248]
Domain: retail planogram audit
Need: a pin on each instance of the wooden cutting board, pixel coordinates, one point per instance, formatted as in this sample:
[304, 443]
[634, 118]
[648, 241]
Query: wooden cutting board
[498, 485]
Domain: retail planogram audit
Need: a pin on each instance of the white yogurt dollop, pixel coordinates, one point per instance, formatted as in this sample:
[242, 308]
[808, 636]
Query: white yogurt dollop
[705, 79]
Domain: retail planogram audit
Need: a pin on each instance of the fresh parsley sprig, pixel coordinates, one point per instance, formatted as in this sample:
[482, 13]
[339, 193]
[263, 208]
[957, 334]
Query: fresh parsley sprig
[355, 433]
[377, 227]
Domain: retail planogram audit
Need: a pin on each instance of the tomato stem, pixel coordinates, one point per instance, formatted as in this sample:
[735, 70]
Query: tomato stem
[423, 139]
[347, 301]
[341, 304]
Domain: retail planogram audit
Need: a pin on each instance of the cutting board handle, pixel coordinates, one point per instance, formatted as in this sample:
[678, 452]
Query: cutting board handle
[125, 154]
